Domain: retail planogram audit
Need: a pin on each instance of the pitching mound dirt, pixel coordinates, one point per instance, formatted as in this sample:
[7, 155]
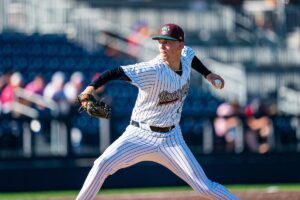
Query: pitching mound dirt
[190, 195]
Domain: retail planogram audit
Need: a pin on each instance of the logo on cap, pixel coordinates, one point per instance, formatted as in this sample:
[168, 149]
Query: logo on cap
[165, 30]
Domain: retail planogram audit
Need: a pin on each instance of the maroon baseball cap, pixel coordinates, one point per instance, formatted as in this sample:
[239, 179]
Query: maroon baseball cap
[170, 32]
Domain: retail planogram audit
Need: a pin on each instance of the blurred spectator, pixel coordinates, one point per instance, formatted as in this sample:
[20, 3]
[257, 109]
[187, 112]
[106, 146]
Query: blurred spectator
[7, 95]
[37, 85]
[73, 87]
[266, 34]
[259, 127]
[228, 127]
[4, 80]
[55, 90]
[141, 31]
[11, 130]
[55, 87]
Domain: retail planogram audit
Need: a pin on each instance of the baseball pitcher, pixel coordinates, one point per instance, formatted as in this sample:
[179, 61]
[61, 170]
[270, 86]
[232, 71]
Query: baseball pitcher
[153, 133]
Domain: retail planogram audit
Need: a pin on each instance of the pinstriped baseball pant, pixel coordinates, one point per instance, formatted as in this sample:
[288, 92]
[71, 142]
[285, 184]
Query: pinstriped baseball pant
[168, 149]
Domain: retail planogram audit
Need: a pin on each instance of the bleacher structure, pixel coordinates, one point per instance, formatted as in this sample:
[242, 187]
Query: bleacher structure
[68, 36]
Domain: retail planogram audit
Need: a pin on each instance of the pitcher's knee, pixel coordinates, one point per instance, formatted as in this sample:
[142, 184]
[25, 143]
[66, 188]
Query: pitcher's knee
[103, 165]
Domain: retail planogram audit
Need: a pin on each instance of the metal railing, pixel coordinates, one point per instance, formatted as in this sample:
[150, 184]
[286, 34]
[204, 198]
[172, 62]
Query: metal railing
[41, 134]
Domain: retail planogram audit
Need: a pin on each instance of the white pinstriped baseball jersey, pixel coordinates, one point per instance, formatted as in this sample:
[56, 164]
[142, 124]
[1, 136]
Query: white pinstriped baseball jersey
[161, 90]
[159, 103]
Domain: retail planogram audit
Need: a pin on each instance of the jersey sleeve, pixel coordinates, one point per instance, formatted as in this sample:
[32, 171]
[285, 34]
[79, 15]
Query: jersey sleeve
[188, 54]
[142, 75]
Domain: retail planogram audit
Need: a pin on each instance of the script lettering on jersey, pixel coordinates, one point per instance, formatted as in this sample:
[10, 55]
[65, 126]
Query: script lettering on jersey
[166, 97]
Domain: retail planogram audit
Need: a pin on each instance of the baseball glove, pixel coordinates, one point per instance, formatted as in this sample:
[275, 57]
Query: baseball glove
[94, 107]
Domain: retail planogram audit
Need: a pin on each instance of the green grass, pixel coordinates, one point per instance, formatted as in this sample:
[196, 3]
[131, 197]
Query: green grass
[259, 187]
[36, 195]
[72, 194]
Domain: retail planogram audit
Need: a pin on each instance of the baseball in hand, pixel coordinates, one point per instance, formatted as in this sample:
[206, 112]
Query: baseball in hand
[218, 83]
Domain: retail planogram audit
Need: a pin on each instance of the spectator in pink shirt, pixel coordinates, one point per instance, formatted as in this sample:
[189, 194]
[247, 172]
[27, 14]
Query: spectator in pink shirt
[37, 85]
[7, 95]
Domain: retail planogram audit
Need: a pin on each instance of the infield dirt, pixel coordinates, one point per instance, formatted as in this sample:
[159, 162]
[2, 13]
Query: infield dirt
[190, 195]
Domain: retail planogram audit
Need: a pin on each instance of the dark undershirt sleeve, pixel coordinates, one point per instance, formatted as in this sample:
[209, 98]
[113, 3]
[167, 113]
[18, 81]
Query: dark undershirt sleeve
[199, 67]
[114, 74]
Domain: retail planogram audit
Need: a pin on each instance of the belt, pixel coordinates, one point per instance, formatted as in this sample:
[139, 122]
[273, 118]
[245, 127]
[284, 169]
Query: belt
[154, 128]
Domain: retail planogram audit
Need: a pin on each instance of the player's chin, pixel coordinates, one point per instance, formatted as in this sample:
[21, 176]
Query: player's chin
[163, 56]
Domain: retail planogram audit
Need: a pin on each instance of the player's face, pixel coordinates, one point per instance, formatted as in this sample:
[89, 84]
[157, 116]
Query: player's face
[169, 49]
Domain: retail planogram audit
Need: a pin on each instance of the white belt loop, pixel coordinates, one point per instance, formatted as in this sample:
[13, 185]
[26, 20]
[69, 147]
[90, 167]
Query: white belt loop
[145, 126]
